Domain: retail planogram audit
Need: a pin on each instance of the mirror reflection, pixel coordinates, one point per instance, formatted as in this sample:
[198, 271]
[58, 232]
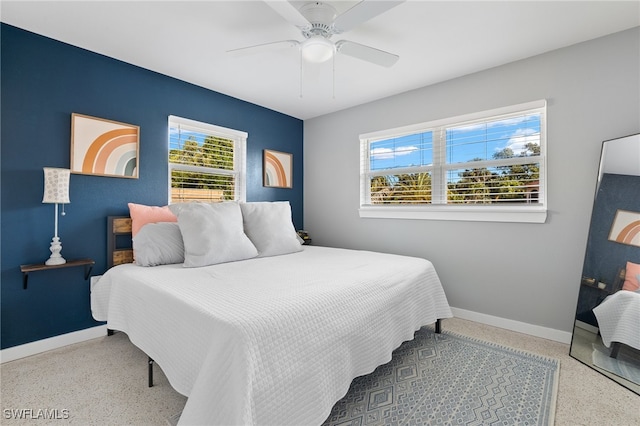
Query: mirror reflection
[606, 334]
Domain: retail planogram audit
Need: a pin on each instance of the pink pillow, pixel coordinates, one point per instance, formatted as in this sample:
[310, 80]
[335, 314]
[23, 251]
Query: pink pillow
[141, 215]
[631, 277]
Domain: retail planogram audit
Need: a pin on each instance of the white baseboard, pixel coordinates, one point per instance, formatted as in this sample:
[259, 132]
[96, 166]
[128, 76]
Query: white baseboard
[590, 328]
[521, 327]
[39, 346]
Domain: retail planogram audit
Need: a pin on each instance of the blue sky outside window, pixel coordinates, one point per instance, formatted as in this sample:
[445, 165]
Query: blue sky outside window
[472, 142]
[484, 140]
[404, 151]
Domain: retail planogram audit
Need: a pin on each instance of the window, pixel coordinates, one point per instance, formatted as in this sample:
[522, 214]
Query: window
[206, 162]
[488, 166]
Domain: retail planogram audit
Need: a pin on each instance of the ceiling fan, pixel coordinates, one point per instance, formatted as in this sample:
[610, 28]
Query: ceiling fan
[319, 21]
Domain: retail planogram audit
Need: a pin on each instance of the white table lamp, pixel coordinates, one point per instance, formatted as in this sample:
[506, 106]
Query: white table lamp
[56, 191]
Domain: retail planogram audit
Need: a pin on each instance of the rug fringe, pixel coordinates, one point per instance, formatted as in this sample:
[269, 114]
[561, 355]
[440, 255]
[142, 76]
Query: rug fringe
[500, 346]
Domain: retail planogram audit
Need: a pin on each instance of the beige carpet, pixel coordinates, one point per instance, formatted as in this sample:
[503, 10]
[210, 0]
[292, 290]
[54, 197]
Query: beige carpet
[104, 382]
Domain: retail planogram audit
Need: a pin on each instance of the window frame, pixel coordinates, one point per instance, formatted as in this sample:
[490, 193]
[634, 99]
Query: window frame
[239, 139]
[525, 213]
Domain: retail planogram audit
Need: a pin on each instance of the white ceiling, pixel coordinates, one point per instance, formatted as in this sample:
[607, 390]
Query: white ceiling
[436, 41]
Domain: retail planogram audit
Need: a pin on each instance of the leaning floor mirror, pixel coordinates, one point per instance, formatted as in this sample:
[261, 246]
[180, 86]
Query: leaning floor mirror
[606, 334]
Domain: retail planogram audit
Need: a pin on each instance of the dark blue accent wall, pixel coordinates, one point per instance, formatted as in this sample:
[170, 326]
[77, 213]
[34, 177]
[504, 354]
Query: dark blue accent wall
[43, 81]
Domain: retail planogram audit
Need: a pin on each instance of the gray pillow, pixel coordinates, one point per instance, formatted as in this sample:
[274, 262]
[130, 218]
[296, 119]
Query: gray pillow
[269, 227]
[213, 233]
[158, 244]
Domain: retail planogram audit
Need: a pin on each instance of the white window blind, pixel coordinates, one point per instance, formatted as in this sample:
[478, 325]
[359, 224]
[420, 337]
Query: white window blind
[206, 162]
[484, 166]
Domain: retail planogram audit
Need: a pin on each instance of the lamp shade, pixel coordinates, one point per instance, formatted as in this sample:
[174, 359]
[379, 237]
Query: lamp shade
[56, 185]
[317, 49]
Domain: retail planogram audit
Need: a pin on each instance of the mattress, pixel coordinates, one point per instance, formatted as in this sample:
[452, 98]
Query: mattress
[618, 318]
[271, 341]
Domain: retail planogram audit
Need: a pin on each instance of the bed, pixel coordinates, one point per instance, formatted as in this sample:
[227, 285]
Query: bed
[270, 339]
[619, 320]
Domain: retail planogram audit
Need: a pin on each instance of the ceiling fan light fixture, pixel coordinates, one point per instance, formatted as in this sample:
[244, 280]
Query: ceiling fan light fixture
[317, 49]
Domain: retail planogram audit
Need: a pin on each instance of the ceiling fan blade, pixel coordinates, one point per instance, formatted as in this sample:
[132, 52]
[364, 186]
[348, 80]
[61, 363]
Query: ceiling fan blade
[362, 12]
[366, 53]
[275, 45]
[289, 13]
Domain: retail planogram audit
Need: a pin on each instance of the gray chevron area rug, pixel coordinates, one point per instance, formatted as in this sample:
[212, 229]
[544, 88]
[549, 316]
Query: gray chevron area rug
[447, 379]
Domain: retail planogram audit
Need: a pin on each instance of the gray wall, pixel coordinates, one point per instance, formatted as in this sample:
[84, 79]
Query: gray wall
[521, 272]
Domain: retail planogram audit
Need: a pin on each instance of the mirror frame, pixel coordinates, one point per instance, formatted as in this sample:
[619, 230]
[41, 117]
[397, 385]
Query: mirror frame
[620, 156]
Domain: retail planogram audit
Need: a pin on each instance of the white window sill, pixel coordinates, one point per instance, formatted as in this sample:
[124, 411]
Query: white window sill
[467, 213]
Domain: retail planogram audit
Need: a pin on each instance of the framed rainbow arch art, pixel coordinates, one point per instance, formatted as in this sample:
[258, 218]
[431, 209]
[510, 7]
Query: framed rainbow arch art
[104, 147]
[278, 169]
[626, 228]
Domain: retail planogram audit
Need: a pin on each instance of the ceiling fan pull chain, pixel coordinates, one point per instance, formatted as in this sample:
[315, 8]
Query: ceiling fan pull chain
[301, 74]
[333, 77]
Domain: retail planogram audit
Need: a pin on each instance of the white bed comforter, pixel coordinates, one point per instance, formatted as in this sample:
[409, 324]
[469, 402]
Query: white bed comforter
[619, 318]
[271, 341]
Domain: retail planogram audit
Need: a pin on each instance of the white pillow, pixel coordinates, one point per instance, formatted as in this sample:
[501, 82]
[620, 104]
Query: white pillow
[213, 233]
[269, 227]
[158, 244]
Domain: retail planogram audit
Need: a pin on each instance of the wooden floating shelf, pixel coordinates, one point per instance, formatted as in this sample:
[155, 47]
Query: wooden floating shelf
[25, 269]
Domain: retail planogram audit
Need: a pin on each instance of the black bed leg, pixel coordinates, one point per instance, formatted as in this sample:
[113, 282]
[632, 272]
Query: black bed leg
[615, 349]
[438, 326]
[150, 372]
[109, 332]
